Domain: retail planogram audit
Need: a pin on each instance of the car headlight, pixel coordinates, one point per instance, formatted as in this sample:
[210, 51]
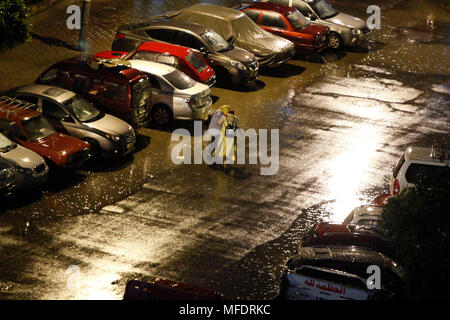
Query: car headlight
[357, 32]
[25, 171]
[238, 65]
[112, 137]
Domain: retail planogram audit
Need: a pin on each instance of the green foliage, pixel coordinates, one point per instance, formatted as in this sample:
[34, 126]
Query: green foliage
[14, 25]
[418, 222]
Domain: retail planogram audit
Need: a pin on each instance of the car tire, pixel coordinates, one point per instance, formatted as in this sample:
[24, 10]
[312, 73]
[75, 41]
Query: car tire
[335, 41]
[161, 115]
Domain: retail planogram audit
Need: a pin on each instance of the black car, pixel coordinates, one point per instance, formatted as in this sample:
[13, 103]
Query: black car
[227, 60]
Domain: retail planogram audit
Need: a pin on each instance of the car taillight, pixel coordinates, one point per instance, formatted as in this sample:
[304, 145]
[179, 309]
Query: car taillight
[120, 36]
[396, 187]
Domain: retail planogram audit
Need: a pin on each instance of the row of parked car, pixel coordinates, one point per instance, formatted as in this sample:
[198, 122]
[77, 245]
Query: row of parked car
[162, 70]
[333, 259]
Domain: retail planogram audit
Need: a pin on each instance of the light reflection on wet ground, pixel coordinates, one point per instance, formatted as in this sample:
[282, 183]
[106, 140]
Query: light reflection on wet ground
[342, 127]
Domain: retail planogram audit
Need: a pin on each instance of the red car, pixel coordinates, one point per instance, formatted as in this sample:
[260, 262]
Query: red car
[182, 58]
[30, 129]
[346, 235]
[289, 23]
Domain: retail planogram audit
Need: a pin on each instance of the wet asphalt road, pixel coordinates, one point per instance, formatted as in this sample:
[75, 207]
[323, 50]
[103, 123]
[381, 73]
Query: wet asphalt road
[343, 120]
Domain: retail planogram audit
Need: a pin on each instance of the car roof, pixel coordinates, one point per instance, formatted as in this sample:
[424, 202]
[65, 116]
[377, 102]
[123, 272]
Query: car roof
[272, 7]
[214, 11]
[126, 73]
[422, 154]
[191, 26]
[162, 47]
[58, 94]
[16, 110]
[154, 68]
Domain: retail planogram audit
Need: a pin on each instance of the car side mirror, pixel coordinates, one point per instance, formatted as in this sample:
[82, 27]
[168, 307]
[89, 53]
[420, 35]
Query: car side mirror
[67, 118]
[312, 16]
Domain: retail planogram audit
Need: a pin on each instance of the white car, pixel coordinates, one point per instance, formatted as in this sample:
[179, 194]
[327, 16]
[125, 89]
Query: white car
[414, 162]
[369, 216]
[175, 96]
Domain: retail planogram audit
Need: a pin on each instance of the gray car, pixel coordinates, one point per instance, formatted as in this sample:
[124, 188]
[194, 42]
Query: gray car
[344, 29]
[226, 60]
[32, 170]
[69, 113]
[7, 176]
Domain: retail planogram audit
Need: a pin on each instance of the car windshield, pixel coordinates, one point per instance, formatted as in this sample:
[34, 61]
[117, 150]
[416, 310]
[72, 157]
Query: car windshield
[180, 80]
[38, 128]
[141, 94]
[196, 62]
[6, 144]
[324, 10]
[297, 19]
[215, 41]
[82, 109]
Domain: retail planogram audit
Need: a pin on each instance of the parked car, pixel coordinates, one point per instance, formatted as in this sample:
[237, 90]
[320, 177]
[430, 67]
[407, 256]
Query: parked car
[413, 163]
[369, 216]
[113, 87]
[31, 168]
[347, 261]
[347, 235]
[161, 289]
[185, 59]
[344, 29]
[289, 23]
[7, 178]
[228, 61]
[29, 128]
[70, 113]
[238, 29]
[175, 95]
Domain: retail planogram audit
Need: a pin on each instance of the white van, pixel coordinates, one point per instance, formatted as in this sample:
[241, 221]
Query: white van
[175, 96]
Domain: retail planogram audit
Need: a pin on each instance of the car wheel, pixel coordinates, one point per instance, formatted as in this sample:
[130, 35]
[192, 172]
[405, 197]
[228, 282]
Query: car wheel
[161, 115]
[334, 41]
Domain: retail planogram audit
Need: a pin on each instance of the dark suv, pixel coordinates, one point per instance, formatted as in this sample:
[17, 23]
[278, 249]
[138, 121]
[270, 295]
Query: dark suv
[225, 59]
[113, 86]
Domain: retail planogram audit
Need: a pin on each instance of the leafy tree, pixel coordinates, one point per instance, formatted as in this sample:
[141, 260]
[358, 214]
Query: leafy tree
[14, 25]
[418, 223]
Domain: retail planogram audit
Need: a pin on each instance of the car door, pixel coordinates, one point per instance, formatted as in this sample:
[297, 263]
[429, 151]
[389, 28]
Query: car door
[58, 117]
[272, 22]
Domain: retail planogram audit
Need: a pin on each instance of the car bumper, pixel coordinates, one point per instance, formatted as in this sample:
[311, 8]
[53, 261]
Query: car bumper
[7, 190]
[356, 40]
[24, 182]
[278, 58]
[119, 149]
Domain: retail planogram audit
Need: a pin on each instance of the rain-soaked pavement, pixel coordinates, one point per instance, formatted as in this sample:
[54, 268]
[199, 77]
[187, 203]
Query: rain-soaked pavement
[343, 123]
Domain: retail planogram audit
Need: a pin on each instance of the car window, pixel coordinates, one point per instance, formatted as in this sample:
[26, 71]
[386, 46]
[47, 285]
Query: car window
[82, 109]
[195, 61]
[297, 19]
[114, 91]
[95, 87]
[187, 40]
[50, 77]
[180, 80]
[38, 128]
[51, 109]
[272, 19]
[323, 9]
[153, 82]
[416, 171]
[302, 7]
[80, 83]
[253, 14]
[399, 165]
[27, 98]
[165, 35]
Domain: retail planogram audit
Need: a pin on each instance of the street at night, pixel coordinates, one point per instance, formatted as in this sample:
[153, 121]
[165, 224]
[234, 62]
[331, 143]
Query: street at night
[345, 117]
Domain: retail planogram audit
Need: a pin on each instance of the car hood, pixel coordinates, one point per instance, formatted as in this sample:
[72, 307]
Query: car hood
[23, 157]
[59, 144]
[240, 55]
[348, 21]
[267, 44]
[110, 125]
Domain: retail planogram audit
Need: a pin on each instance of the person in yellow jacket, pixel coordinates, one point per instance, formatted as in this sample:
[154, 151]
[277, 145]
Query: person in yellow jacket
[226, 147]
